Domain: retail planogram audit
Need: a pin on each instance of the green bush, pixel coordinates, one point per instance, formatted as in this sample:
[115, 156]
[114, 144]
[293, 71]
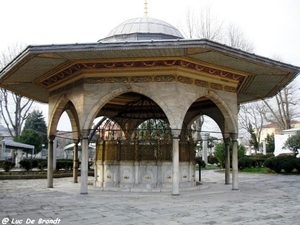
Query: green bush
[66, 164]
[269, 163]
[7, 165]
[281, 162]
[288, 163]
[42, 164]
[29, 164]
[245, 162]
[219, 153]
[26, 164]
[259, 159]
[297, 164]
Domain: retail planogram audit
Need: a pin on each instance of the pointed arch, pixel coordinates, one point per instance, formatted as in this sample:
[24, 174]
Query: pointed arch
[64, 104]
[119, 91]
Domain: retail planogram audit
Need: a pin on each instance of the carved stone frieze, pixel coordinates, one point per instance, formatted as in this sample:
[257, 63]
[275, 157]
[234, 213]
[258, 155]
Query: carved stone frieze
[185, 80]
[201, 83]
[141, 79]
[164, 78]
[95, 80]
[117, 79]
[230, 89]
[216, 86]
[75, 68]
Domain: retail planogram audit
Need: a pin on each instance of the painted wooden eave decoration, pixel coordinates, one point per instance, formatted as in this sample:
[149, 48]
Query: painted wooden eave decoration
[40, 71]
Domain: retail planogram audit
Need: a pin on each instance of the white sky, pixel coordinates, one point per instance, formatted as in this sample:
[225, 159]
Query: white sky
[273, 26]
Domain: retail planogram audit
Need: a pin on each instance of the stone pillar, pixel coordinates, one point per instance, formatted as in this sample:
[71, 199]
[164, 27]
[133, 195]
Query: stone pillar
[264, 147]
[227, 161]
[54, 153]
[84, 162]
[159, 165]
[175, 177]
[50, 162]
[235, 183]
[204, 147]
[136, 160]
[75, 162]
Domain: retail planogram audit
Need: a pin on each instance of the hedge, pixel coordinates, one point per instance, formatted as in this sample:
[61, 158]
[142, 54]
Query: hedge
[29, 164]
[283, 162]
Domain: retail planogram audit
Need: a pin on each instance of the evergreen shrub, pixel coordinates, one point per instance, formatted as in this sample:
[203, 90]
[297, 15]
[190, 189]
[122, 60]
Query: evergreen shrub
[245, 162]
[297, 164]
[281, 162]
[7, 165]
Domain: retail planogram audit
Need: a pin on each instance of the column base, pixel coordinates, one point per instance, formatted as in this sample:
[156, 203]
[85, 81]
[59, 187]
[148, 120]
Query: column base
[175, 194]
[50, 186]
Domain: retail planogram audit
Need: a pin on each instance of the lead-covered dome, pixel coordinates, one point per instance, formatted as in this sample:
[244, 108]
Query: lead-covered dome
[143, 28]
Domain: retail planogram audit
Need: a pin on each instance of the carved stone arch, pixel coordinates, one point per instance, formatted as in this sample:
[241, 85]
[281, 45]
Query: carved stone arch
[64, 104]
[217, 109]
[230, 115]
[119, 91]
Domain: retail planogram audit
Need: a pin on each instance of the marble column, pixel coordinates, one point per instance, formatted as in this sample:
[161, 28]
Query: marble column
[75, 161]
[235, 183]
[227, 161]
[84, 162]
[50, 162]
[175, 177]
[204, 147]
[54, 153]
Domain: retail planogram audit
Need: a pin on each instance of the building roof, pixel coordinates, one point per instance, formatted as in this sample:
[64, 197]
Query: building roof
[16, 145]
[143, 28]
[41, 70]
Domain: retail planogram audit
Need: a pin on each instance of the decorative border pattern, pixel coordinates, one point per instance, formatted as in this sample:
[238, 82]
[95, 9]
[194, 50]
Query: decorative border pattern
[69, 72]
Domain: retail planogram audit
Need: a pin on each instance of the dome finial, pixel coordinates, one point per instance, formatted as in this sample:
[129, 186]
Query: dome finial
[145, 8]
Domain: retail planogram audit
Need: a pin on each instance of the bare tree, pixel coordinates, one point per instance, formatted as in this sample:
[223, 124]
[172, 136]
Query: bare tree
[203, 24]
[14, 108]
[236, 38]
[251, 118]
[208, 25]
[283, 108]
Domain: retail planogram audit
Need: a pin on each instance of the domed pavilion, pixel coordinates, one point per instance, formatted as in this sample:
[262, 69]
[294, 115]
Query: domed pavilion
[146, 84]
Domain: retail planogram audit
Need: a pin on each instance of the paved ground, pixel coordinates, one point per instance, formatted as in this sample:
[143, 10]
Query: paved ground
[262, 199]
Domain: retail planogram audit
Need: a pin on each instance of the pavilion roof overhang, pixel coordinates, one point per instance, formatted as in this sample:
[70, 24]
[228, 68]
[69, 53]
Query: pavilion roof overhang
[38, 70]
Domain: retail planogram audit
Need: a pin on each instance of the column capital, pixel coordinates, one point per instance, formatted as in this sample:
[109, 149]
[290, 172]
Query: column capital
[234, 136]
[176, 134]
[51, 138]
[85, 133]
[205, 136]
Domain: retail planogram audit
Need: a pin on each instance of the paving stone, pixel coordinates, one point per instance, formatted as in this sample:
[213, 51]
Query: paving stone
[261, 199]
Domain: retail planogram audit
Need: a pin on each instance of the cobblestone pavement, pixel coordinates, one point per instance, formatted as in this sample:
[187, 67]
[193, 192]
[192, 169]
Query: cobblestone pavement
[261, 199]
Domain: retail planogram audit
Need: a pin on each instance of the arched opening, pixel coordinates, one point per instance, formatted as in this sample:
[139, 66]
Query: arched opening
[134, 145]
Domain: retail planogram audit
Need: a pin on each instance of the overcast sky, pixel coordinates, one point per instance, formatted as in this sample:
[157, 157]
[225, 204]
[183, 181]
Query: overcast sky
[273, 26]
